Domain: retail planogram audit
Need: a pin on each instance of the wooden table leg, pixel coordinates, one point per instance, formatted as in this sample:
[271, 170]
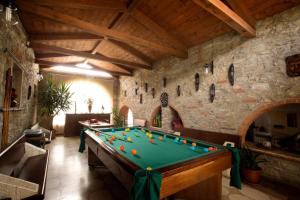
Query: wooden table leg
[210, 189]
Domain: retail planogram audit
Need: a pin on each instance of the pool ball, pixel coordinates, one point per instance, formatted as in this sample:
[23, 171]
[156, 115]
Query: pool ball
[129, 139]
[113, 137]
[205, 149]
[210, 148]
[122, 148]
[151, 141]
[133, 151]
[160, 138]
[123, 133]
[125, 137]
[150, 136]
[110, 141]
[184, 141]
[97, 133]
[194, 144]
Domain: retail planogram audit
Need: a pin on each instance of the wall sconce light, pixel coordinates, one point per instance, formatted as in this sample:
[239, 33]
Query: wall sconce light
[39, 77]
[178, 90]
[209, 67]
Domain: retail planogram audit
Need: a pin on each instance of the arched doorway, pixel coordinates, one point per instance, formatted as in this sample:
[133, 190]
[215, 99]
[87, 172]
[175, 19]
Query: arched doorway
[176, 122]
[156, 117]
[127, 113]
[243, 128]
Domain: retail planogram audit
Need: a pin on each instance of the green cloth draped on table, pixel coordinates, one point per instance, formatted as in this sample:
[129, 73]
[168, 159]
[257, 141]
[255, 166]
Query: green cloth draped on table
[82, 141]
[146, 185]
[235, 177]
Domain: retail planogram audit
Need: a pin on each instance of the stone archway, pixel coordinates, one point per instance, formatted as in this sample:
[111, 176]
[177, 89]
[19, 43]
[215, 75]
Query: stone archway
[126, 112]
[154, 114]
[243, 128]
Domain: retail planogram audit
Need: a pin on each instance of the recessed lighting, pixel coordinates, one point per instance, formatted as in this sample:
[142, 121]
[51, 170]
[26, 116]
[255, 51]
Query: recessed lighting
[84, 66]
[88, 72]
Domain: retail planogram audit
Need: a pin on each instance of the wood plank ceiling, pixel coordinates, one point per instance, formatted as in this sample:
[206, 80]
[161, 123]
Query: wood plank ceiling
[119, 36]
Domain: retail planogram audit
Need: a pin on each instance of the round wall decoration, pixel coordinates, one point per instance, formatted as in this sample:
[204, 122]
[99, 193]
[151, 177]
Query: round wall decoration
[164, 99]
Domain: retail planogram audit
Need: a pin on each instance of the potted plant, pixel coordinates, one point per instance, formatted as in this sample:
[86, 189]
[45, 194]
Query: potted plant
[250, 165]
[90, 102]
[117, 118]
[54, 98]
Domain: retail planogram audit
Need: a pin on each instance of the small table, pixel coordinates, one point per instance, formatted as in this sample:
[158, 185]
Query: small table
[97, 124]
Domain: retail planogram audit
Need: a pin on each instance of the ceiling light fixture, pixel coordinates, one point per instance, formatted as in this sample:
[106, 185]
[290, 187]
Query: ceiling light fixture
[84, 66]
[87, 72]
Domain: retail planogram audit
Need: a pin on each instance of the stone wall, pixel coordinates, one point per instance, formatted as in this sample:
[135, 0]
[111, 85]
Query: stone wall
[260, 78]
[14, 38]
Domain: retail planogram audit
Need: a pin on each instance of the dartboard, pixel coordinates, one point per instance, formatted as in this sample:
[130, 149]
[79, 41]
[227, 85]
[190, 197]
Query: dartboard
[164, 99]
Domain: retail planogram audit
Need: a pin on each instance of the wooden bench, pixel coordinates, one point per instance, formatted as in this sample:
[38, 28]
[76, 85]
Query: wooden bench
[23, 171]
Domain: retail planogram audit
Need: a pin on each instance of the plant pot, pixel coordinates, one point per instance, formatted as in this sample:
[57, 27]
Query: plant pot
[252, 176]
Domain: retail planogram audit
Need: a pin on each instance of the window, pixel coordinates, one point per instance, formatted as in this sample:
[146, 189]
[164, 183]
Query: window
[292, 120]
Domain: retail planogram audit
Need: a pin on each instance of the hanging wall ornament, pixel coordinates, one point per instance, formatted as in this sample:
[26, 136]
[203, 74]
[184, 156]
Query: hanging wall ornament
[165, 82]
[153, 92]
[164, 99]
[231, 74]
[136, 91]
[141, 98]
[178, 90]
[197, 81]
[212, 92]
[146, 87]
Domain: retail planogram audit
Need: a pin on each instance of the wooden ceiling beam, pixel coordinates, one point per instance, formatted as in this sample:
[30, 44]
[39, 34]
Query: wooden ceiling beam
[157, 29]
[239, 7]
[96, 29]
[228, 16]
[40, 55]
[48, 64]
[63, 36]
[83, 4]
[44, 47]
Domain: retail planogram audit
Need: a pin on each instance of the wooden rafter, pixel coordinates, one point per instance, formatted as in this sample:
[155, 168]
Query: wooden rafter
[224, 13]
[40, 55]
[63, 36]
[47, 64]
[83, 4]
[239, 7]
[96, 29]
[55, 49]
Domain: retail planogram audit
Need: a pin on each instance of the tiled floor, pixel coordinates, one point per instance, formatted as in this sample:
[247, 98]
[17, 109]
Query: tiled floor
[70, 178]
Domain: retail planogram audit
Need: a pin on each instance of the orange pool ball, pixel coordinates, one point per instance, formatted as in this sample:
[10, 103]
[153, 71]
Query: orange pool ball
[122, 148]
[110, 141]
[210, 148]
[133, 151]
[160, 138]
[151, 141]
[123, 133]
[184, 141]
[97, 133]
[113, 137]
[194, 144]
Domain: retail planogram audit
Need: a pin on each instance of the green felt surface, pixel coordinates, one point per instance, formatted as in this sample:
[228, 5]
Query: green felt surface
[156, 155]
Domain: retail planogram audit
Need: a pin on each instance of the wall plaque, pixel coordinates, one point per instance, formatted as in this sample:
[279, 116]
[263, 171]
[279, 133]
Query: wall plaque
[293, 65]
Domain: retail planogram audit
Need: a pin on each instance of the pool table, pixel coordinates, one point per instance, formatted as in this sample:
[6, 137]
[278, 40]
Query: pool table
[187, 172]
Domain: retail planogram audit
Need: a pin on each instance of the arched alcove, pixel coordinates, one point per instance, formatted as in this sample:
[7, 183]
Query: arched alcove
[127, 113]
[243, 128]
[156, 117]
[176, 120]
